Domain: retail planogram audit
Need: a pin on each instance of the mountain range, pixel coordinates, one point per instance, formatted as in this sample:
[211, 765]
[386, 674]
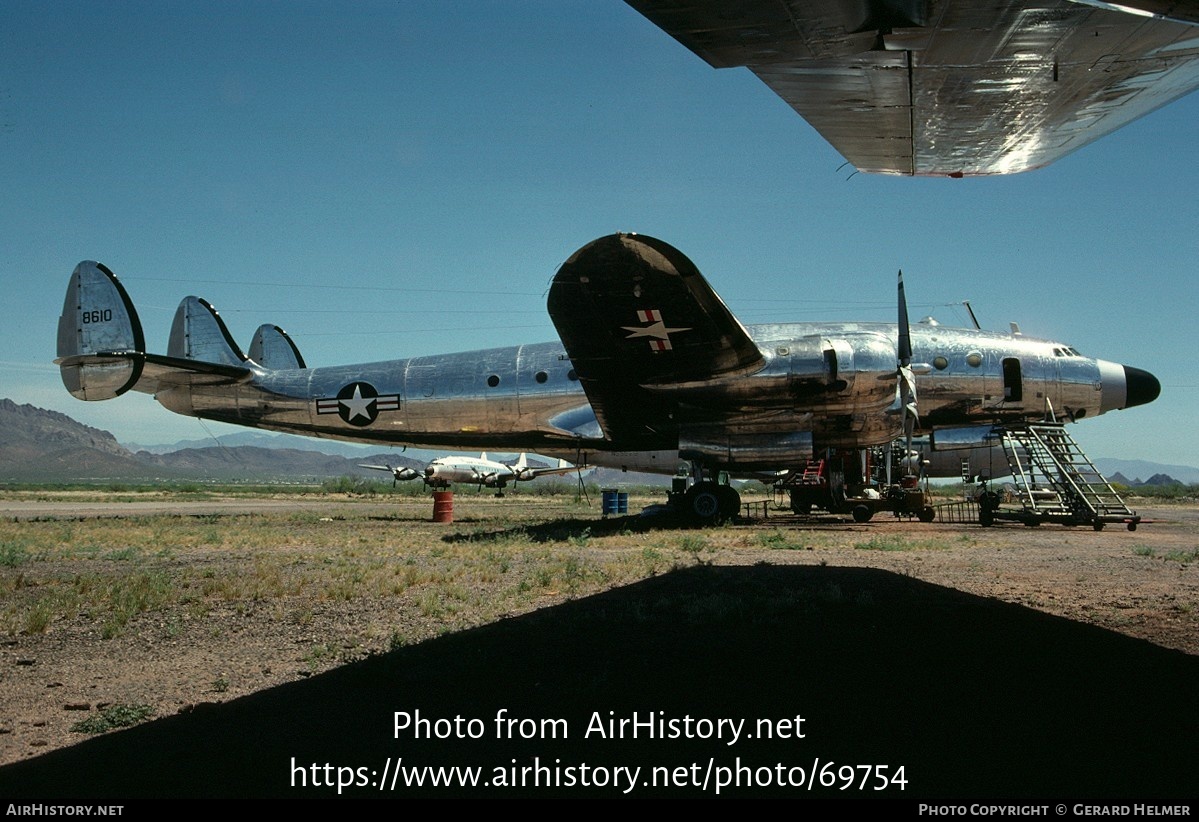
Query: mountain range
[37, 445]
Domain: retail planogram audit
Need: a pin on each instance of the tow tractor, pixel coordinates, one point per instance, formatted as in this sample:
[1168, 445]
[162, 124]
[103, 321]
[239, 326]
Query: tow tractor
[860, 482]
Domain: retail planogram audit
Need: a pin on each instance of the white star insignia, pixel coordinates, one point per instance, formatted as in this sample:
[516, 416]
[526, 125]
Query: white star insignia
[357, 405]
[658, 330]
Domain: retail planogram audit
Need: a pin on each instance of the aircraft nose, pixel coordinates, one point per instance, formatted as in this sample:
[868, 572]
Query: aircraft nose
[1142, 387]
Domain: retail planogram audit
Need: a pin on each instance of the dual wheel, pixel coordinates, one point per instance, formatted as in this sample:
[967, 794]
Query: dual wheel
[709, 502]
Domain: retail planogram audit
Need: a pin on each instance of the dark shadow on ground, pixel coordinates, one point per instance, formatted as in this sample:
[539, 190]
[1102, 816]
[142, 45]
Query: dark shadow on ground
[560, 530]
[976, 699]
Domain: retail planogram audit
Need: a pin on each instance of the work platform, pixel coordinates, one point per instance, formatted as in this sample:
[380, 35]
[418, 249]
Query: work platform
[1054, 482]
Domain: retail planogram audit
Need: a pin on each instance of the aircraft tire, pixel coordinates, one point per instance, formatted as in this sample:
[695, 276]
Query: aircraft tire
[862, 513]
[927, 514]
[730, 501]
[702, 503]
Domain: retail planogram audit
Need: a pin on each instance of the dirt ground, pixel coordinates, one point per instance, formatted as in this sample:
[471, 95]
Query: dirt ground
[1144, 584]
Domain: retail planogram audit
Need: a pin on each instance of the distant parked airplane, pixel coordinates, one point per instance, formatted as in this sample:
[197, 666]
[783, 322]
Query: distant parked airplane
[444, 471]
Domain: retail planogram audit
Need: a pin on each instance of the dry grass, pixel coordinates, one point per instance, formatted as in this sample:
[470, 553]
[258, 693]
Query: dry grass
[168, 610]
[97, 574]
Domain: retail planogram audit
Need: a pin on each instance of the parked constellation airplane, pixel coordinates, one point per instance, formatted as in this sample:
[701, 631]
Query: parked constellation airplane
[445, 471]
[652, 368]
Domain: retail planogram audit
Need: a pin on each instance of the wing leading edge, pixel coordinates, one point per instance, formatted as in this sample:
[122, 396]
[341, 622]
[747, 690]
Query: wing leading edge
[948, 87]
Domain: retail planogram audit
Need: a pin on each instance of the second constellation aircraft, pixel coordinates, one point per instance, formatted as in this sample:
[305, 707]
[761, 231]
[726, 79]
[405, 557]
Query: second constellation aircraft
[486, 473]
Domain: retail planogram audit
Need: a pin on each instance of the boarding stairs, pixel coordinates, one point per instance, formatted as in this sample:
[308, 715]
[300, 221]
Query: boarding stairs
[1056, 481]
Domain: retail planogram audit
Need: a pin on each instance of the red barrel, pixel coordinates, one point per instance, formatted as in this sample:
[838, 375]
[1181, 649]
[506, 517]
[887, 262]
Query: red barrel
[443, 506]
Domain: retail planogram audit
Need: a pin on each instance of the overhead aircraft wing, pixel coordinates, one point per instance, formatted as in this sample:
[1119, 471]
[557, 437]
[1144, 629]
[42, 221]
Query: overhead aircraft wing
[635, 314]
[951, 87]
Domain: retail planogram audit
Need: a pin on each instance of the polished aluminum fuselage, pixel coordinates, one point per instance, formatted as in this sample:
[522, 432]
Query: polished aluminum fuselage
[822, 385]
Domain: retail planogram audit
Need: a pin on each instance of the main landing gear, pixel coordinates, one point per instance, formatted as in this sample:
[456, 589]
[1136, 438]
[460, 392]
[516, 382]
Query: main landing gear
[704, 501]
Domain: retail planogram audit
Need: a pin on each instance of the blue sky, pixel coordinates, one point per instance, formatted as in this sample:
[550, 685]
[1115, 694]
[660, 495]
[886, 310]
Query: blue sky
[389, 179]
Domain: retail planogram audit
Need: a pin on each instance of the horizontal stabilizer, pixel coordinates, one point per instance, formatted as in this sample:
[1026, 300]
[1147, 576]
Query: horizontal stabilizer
[273, 348]
[98, 318]
[634, 313]
[154, 372]
[199, 333]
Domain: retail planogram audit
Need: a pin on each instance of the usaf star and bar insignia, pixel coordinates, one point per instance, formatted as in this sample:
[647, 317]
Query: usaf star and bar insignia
[358, 404]
[656, 330]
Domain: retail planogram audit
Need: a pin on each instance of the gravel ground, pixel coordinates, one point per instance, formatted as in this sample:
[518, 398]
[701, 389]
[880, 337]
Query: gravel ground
[1143, 584]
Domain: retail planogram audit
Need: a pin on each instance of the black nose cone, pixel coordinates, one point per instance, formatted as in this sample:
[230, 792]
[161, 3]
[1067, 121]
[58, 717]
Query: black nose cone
[1142, 386]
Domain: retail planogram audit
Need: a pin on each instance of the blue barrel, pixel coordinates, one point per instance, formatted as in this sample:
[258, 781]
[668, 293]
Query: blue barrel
[611, 500]
[622, 502]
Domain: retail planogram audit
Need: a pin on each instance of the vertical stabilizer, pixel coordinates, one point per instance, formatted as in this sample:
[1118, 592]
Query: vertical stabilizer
[199, 333]
[100, 340]
[273, 348]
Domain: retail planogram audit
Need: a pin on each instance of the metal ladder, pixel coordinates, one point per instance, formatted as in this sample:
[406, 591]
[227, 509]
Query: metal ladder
[1056, 479]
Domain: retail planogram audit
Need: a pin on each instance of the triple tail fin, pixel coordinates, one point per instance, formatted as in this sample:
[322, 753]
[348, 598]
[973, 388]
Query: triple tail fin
[102, 351]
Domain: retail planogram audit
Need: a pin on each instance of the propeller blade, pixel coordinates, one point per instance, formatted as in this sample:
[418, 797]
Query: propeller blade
[905, 388]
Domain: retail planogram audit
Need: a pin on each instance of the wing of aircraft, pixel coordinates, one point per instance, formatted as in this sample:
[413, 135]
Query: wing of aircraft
[951, 87]
[398, 472]
[635, 314]
[523, 472]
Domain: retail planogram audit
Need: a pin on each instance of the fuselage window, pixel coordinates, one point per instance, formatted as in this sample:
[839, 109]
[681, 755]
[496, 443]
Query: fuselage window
[572, 376]
[493, 380]
[940, 363]
[541, 376]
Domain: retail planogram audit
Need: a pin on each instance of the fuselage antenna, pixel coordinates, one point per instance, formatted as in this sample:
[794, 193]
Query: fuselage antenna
[973, 318]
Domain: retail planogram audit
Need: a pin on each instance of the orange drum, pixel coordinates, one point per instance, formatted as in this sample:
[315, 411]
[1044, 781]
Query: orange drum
[443, 506]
